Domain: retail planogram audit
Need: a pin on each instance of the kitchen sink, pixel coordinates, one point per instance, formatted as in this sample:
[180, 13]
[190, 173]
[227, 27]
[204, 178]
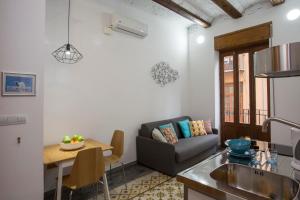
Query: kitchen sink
[252, 183]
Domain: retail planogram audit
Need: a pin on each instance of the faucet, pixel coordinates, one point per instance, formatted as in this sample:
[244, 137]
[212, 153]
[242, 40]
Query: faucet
[282, 121]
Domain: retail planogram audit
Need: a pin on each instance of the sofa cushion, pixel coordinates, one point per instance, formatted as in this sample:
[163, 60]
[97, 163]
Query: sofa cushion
[169, 125]
[147, 128]
[208, 127]
[176, 125]
[185, 128]
[170, 135]
[157, 135]
[197, 128]
[189, 147]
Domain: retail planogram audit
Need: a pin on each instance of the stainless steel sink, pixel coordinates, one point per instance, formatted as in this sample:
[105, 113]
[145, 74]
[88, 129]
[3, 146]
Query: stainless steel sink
[252, 183]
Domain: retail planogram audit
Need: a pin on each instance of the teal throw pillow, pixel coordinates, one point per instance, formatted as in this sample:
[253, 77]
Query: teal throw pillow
[185, 128]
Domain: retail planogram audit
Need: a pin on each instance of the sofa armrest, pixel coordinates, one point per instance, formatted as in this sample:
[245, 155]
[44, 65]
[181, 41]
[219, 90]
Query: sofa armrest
[215, 131]
[155, 154]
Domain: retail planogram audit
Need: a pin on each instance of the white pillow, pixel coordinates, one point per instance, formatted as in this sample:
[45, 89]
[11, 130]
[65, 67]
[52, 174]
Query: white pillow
[157, 135]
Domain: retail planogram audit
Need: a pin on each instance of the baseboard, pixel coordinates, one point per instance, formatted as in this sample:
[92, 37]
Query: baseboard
[119, 168]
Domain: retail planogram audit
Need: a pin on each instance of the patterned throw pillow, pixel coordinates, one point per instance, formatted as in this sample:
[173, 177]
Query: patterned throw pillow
[157, 135]
[169, 135]
[169, 125]
[197, 128]
[207, 126]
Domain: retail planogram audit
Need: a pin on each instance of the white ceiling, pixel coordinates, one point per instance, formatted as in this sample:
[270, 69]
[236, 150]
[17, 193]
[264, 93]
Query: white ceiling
[148, 6]
[242, 5]
[209, 11]
[206, 9]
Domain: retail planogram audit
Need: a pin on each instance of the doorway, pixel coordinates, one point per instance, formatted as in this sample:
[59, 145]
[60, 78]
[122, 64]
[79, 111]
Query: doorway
[245, 100]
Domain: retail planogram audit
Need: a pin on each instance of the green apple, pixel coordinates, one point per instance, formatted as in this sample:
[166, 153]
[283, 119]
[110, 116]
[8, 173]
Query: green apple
[66, 139]
[80, 138]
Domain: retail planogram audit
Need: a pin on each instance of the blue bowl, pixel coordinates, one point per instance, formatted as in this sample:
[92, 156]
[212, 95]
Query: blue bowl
[239, 145]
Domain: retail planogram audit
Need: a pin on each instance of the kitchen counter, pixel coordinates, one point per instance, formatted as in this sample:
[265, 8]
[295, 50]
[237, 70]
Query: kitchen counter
[198, 179]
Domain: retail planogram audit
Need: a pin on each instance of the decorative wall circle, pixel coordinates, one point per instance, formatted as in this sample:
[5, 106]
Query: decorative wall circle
[163, 74]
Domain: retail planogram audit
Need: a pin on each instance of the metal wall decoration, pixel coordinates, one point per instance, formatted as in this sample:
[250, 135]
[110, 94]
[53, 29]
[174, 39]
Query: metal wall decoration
[163, 74]
[67, 53]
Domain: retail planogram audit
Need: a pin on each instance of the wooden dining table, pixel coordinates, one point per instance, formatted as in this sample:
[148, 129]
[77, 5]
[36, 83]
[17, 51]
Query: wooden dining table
[54, 155]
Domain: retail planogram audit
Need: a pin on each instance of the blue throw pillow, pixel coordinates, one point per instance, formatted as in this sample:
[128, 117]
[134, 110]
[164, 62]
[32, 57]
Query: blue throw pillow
[185, 128]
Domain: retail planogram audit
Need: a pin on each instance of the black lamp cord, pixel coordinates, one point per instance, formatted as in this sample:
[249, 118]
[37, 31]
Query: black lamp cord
[69, 21]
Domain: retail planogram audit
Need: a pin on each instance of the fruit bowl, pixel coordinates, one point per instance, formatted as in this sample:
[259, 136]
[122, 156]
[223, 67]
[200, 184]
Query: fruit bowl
[71, 143]
[71, 146]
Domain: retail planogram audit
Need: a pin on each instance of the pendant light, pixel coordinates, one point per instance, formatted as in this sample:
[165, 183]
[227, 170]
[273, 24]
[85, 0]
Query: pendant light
[67, 53]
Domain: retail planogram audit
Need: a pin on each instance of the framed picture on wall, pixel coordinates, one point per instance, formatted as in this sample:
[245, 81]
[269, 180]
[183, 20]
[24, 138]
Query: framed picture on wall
[16, 84]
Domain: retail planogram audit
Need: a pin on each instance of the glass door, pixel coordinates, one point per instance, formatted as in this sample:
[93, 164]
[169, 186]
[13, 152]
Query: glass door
[244, 99]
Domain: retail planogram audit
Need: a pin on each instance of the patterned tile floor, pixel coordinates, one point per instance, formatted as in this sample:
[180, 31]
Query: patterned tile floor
[138, 186]
[143, 184]
[170, 190]
[154, 186]
[133, 172]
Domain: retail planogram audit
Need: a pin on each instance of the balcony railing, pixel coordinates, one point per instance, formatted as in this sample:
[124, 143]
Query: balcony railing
[229, 115]
[245, 116]
[261, 116]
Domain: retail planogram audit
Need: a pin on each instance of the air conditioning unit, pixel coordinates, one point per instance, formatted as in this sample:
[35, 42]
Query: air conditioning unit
[129, 26]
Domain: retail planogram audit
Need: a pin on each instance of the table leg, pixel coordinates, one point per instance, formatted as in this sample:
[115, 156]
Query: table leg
[61, 166]
[59, 181]
[106, 190]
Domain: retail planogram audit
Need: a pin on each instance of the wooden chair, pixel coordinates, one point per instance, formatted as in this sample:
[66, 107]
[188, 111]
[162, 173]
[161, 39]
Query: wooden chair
[87, 170]
[117, 142]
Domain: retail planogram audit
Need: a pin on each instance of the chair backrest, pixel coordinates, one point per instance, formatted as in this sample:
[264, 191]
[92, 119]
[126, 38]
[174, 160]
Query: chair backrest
[88, 167]
[117, 142]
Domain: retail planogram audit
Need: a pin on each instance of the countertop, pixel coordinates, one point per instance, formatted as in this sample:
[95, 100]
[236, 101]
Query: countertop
[198, 177]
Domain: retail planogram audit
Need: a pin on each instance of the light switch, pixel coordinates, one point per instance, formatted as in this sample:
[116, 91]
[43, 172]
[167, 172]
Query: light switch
[6, 120]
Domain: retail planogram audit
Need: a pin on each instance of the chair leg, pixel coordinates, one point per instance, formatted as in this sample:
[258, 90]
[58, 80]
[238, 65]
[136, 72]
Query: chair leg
[105, 185]
[70, 195]
[110, 173]
[104, 193]
[96, 191]
[124, 175]
[55, 193]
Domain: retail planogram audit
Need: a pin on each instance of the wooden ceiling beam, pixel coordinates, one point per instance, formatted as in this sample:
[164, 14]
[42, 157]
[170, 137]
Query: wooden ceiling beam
[183, 12]
[277, 2]
[228, 8]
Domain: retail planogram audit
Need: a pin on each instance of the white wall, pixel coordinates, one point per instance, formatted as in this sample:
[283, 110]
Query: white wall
[111, 87]
[201, 70]
[22, 38]
[204, 64]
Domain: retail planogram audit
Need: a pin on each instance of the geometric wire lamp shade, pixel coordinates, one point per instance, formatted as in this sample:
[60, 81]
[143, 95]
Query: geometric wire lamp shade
[67, 54]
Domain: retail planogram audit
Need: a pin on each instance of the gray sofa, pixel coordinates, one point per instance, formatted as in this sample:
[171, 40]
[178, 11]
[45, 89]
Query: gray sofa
[171, 159]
